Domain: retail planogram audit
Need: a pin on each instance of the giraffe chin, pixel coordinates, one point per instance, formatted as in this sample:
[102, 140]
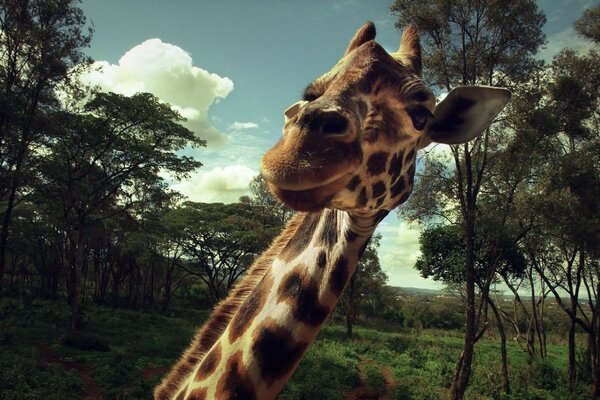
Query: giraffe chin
[313, 199]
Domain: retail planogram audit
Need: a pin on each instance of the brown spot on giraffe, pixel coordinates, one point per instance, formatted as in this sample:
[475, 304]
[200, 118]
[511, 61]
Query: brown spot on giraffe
[276, 351]
[302, 294]
[339, 275]
[329, 234]
[376, 163]
[235, 382]
[379, 189]
[210, 363]
[322, 259]
[301, 238]
[395, 167]
[353, 184]
[198, 394]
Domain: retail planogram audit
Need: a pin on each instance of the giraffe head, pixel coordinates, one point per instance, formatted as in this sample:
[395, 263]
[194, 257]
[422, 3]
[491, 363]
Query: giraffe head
[350, 144]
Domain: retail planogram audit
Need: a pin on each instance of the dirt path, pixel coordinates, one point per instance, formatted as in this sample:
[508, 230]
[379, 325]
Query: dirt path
[364, 392]
[152, 371]
[91, 390]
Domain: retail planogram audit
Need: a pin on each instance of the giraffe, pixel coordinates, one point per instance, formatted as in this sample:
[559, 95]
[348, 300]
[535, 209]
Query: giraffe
[346, 158]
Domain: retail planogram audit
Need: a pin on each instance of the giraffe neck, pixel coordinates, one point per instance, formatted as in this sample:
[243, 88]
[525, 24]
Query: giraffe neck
[267, 335]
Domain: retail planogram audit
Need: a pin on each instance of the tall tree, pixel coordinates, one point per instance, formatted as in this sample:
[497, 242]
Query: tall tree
[261, 196]
[100, 164]
[40, 46]
[220, 241]
[467, 43]
[366, 285]
[588, 25]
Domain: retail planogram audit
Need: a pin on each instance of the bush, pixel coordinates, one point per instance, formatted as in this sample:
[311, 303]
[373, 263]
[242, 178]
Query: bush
[23, 377]
[401, 343]
[85, 341]
[544, 375]
[7, 334]
[584, 366]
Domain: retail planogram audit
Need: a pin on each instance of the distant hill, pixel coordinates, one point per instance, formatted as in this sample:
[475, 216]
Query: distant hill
[410, 291]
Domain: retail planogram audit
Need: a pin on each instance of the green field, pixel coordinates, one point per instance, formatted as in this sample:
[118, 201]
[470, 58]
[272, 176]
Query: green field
[123, 354]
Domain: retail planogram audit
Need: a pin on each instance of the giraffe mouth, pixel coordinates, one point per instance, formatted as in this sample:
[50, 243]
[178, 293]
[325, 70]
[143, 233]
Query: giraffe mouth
[311, 199]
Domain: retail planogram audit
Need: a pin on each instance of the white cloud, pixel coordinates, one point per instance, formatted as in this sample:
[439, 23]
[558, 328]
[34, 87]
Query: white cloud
[399, 251]
[238, 126]
[220, 184]
[166, 71]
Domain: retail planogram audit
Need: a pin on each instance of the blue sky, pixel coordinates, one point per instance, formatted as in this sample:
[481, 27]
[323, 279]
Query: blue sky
[232, 67]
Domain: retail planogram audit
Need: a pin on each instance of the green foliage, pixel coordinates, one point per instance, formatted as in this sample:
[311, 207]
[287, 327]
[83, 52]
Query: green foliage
[588, 25]
[220, 241]
[443, 254]
[84, 341]
[421, 365]
[488, 37]
[262, 197]
[25, 377]
[365, 293]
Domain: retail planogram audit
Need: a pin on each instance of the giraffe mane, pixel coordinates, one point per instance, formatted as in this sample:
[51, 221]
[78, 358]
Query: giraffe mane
[222, 314]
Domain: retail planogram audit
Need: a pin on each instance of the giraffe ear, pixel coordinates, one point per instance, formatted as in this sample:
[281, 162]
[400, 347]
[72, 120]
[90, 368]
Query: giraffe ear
[465, 113]
[293, 110]
[363, 35]
[409, 52]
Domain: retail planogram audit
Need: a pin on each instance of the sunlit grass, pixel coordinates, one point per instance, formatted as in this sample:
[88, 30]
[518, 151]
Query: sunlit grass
[121, 344]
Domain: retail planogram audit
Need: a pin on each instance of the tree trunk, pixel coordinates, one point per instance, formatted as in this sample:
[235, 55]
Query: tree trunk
[74, 277]
[349, 321]
[350, 305]
[572, 356]
[168, 286]
[501, 331]
[462, 373]
[4, 231]
[594, 352]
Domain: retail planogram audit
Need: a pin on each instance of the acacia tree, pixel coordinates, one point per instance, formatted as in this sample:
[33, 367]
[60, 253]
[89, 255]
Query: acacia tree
[261, 196]
[220, 241]
[366, 284]
[566, 197]
[40, 47]
[587, 24]
[99, 164]
[468, 43]
[556, 120]
[443, 258]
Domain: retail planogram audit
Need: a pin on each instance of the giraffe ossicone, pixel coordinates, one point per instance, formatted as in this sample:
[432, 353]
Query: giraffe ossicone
[346, 158]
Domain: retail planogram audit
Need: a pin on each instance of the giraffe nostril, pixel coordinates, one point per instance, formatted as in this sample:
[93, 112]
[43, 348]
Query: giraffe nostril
[334, 123]
[329, 123]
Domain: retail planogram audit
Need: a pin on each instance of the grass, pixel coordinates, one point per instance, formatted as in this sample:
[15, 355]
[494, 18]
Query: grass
[120, 345]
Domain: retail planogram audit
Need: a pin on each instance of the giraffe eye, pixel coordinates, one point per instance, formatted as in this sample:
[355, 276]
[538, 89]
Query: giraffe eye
[419, 116]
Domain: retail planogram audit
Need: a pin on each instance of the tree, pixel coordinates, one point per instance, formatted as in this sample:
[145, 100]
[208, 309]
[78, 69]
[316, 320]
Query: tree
[100, 164]
[466, 43]
[261, 196]
[555, 123]
[588, 25]
[40, 48]
[220, 241]
[366, 284]
[443, 257]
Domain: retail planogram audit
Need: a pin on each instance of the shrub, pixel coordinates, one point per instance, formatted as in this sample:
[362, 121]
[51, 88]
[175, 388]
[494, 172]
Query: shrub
[401, 343]
[544, 375]
[85, 341]
[584, 366]
[23, 377]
